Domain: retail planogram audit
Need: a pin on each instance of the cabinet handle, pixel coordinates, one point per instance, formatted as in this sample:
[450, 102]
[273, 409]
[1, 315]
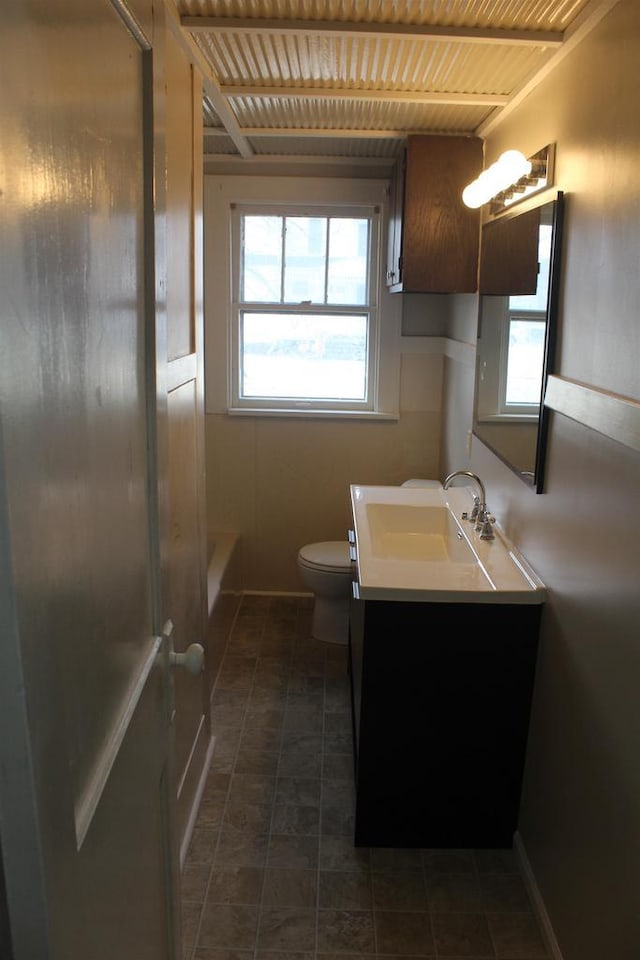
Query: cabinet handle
[353, 553]
[355, 589]
[351, 536]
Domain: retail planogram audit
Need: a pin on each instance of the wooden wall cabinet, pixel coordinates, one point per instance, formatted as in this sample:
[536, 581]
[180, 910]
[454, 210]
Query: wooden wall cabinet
[441, 697]
[433, 240]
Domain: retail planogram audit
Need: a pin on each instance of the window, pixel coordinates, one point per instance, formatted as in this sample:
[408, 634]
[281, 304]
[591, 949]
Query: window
[304, 308]
[523, 341]
[525, 357]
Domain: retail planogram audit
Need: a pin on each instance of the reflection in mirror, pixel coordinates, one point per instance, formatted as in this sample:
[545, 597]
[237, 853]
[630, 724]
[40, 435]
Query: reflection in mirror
[519, 273]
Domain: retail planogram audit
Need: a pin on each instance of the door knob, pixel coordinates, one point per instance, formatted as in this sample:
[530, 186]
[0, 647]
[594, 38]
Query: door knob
[192, 659]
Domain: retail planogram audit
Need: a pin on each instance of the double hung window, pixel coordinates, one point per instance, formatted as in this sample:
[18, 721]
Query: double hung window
[523, 341]
[304, 307]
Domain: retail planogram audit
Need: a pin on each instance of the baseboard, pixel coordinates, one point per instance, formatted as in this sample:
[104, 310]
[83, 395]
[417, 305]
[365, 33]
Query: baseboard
[536, 897]
[195, 806]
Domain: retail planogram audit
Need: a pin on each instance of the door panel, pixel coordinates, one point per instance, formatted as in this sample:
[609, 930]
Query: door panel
[122, 898]
[180, 274]
[186, 586]
[185, 414]
[80, 504]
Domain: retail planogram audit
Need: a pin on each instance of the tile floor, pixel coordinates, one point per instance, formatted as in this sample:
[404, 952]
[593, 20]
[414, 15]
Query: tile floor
[272, 873]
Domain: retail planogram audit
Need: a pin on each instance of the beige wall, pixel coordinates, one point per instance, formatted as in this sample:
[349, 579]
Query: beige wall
[580, 816]
[458, 384]
[282, 482]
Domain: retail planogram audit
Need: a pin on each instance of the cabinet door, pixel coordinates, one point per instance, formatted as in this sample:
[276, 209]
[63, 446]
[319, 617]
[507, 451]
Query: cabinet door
[394, 240]
[440, 236]
[442, 694]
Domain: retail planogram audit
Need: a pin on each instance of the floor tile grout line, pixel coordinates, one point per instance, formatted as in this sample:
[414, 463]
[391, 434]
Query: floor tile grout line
[271, 822]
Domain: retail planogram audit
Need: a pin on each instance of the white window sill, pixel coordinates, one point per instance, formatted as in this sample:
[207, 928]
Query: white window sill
[510, 418]
[312, 414]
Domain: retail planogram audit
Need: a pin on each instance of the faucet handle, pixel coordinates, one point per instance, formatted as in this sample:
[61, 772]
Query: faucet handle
[484, 526]
[473, 516]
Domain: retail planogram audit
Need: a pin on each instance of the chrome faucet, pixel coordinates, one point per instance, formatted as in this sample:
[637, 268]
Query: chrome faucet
[472, 476]
[479, 514]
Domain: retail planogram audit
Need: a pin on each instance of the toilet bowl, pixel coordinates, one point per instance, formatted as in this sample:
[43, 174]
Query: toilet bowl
[326, 570]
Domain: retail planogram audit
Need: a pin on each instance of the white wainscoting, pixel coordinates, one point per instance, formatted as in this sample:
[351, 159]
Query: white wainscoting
[611, 414]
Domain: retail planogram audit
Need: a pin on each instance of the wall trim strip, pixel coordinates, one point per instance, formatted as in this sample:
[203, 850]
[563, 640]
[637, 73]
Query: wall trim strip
[533, 890]
[460, 351]
[611, 414]
[181, 371]
[415, 344]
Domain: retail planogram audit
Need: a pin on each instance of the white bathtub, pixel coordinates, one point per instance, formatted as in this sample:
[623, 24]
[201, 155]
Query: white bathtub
[223, 568]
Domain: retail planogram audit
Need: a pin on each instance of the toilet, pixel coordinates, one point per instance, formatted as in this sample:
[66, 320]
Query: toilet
[325, 567]
[326, 570]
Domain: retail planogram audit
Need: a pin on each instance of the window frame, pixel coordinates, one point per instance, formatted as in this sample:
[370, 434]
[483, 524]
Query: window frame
[295, 406]
[520, 410]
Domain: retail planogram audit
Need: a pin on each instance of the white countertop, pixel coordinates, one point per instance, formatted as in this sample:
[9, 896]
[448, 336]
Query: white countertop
[413, 545]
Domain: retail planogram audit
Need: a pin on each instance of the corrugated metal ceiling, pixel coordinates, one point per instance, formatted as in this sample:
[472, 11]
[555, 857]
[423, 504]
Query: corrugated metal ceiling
[351, 79]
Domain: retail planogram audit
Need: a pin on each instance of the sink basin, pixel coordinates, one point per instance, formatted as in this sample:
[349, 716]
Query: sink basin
[422, 533]
[412, 544]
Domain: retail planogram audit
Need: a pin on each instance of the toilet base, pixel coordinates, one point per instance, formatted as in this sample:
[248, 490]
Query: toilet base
[330, 621]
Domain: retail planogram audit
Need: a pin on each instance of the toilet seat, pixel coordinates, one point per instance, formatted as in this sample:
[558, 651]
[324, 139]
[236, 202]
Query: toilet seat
[331, 556]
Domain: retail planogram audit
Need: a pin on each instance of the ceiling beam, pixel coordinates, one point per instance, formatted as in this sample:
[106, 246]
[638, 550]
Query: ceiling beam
[583, 24]
[287, 166]
[211, 133]
[226, 115]
[209, 82]
[275, 160]
[385, 96]
[378, 31]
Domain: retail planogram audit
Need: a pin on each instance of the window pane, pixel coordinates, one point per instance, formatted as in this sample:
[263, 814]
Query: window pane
[305, 246]
[524, 361]
[304, 357]
[348, 257]
[261, 273]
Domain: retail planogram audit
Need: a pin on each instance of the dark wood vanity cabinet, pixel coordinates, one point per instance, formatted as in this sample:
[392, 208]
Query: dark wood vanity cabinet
[441, 695]
[433, 239]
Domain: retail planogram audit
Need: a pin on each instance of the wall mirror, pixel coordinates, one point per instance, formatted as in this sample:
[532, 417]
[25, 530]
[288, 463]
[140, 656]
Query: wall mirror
[518, 283]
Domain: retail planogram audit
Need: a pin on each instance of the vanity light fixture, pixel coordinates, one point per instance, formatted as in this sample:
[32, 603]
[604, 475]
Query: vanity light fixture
[512, 177]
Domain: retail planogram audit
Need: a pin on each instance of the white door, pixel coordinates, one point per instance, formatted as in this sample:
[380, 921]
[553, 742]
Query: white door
[185, 420]
[85, 694]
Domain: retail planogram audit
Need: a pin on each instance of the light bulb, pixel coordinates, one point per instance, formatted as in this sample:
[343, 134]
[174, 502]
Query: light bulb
[513, 165]
[507, 169]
